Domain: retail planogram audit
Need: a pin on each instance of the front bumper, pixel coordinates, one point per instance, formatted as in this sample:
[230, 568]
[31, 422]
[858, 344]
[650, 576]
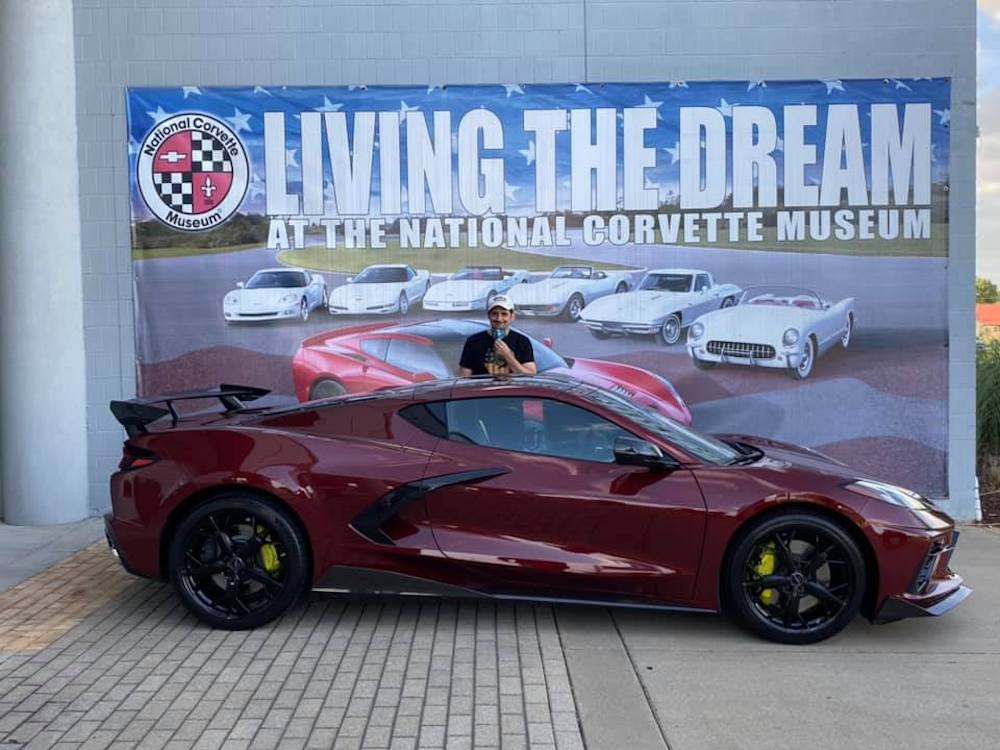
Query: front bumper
[782, 359]
[943, 596]
[234, 315]
[540, 310]
[356, 309]
[453, 305]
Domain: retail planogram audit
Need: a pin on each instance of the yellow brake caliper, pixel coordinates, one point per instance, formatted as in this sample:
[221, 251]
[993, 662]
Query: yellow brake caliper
[269, 554]
[765, 567]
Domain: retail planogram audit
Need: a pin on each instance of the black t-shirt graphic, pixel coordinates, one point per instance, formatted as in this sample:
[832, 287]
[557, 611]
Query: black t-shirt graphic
[479, 356]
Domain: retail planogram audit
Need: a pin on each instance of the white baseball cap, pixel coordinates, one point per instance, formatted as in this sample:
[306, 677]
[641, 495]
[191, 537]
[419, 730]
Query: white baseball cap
[500, 300]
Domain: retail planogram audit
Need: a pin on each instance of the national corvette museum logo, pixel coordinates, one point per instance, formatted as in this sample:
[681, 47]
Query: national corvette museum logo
[192, 172]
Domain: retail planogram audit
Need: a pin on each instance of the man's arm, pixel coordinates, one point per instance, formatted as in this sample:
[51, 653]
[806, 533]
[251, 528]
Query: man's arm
[521, 368]
[464, 372]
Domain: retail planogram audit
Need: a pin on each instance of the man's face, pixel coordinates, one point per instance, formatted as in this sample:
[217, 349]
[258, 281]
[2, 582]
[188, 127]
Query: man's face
[501, 318]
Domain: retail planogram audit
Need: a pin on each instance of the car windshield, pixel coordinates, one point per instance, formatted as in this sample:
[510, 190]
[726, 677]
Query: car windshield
[783, 296]
[276, 280]
[572, 272]
[478, 273]
[667, 282]
[381, 275]
[704, 447]
[449, 341]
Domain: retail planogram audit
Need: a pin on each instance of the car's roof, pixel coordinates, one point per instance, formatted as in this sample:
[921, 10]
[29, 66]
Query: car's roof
[281, 268]
[388, 265]
[691, 271]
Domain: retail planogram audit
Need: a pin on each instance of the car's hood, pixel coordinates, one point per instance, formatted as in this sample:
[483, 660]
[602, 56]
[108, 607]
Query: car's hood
[461, 290]
[270, 297]
[752, 322]
[383, 293]
[636, 307]
[785, 456]
[548, 290]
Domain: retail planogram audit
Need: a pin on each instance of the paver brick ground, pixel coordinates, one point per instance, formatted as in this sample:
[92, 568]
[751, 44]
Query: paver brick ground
[91, 657]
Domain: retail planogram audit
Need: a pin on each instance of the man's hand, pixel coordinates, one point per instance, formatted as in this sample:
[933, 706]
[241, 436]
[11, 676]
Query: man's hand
[501, 348]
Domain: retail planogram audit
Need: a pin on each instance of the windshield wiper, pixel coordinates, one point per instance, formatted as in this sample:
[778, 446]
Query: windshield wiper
[748, 454]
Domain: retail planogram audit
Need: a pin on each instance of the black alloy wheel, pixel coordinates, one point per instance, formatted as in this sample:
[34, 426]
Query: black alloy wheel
[796, 578]
[238, 561]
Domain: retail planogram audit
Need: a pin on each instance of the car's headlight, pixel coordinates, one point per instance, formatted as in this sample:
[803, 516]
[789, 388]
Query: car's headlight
[289, 299]
[921, 507]
[789, 337]
[696, 331]
[231, 299]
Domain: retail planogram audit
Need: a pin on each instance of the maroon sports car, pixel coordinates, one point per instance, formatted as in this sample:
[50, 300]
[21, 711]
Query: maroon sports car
[526, 487]
[368, 357]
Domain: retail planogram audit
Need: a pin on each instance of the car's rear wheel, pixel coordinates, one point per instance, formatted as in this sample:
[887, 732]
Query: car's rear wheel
[326, 388]
[796, 578]
[238, 561]
[621, 288]
[670, 330]
[728, 302]
[573, 308]
[806, 361]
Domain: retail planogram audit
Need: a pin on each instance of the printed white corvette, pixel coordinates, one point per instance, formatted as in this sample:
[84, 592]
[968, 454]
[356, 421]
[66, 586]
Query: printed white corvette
[667, 301]
[379, 290]
[772, 326]
[567, 290]
[274, 294]
[470, 287]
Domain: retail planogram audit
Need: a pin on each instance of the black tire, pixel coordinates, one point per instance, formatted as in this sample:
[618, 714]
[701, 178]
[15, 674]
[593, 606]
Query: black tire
[404, 304]
[728, 302]
[573, 308]
[304, 309]
[703, 364]
[621, 288]
[845, 340]
[817, 576]
[238, 561]
[326, 388]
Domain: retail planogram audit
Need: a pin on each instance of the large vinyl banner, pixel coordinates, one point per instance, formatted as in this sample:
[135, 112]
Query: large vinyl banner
[762, 257]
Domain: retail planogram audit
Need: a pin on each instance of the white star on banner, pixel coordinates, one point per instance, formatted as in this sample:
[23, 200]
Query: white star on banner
[404, 108]
[262, 90]
[510, 190]
[133, 145]
[188, 90]
[256, 186]
[580, 87]
[650, 104]
[833, 85]
[675, 152]
[240, 120]
[512, 88]
[528, 153]
[726, 108]
[751, 85]
[678, 84]
[944, 115]
[431, 89]
[159, 115]
[328, 106]
[901, 85]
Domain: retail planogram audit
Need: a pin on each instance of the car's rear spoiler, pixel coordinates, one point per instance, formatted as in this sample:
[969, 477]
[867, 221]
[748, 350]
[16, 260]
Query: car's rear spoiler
[136, 413]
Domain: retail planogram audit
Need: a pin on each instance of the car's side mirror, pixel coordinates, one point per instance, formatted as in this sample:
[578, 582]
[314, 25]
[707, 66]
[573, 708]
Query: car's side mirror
[350, 279]
[239, 284]
[632, 451]
[600, 275]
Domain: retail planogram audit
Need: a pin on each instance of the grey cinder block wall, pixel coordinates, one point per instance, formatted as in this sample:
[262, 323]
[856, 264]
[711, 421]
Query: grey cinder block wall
[121, 43]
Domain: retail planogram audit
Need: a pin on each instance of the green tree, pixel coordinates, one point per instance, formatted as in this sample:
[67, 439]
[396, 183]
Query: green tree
[986, 291]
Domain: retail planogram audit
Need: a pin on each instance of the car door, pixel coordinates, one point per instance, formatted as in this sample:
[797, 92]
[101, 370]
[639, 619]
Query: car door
[704, 296]
[556, 514]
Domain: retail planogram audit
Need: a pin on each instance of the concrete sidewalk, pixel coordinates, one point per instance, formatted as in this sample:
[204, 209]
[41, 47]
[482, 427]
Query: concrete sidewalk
[91, 657]
[27, 550]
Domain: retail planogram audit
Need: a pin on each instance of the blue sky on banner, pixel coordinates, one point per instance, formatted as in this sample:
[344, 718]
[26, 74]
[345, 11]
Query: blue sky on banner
[243, 109]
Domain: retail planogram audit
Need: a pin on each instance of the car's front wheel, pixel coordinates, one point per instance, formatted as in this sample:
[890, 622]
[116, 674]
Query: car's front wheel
[806, 361]
[304, 309]
[670, 330]
[238, 561]
[573, 308]
[404, 304]
[845, 340]
[796, 578]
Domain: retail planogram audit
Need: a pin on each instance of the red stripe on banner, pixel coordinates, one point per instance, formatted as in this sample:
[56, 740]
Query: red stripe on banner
[174, 154]
[210, 189]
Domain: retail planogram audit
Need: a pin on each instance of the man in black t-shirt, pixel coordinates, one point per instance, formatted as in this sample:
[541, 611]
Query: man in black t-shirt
[498, 350]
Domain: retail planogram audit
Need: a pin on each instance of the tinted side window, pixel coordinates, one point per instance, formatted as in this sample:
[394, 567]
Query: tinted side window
[375, 347]
[702, 283]
[428, 417]
[542, 426]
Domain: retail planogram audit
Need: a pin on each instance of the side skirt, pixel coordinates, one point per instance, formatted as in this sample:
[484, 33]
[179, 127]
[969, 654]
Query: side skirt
[341, 579]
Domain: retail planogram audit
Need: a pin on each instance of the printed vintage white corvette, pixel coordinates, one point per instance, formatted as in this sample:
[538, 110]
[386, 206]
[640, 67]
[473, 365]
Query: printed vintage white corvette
[379, 290]
[567, 290]
[667, 301]
[772, 326]
[470, 287]
[275, 294]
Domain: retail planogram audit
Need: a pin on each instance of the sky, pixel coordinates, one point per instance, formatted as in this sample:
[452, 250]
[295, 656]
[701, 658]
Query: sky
[988, 149]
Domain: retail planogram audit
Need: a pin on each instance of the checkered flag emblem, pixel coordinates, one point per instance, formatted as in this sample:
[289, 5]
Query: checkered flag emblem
[208, 155]
[176, 189]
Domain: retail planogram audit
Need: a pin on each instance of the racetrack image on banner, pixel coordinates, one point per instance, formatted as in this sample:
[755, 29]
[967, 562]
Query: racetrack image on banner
[755, 257]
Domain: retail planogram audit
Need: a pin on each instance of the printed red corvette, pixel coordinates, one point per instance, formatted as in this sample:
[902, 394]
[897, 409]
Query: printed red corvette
[365, 358]
[524, 487]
